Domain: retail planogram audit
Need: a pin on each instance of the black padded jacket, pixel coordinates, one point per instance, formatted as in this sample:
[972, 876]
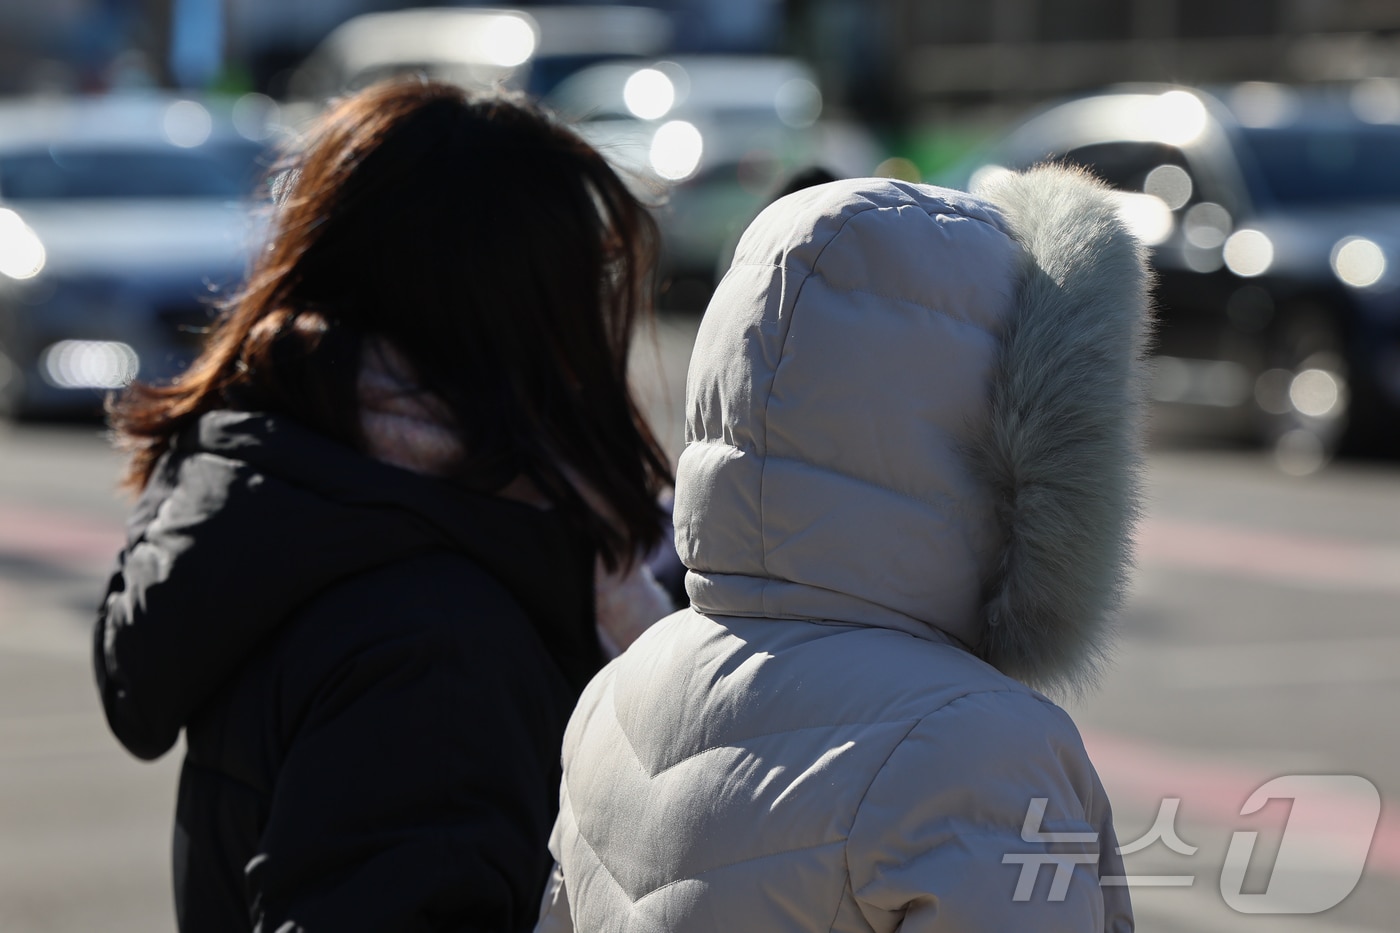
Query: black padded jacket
[372, 670]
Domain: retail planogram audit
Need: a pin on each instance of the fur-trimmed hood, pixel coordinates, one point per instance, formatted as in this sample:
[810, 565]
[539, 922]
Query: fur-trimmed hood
[920, 409]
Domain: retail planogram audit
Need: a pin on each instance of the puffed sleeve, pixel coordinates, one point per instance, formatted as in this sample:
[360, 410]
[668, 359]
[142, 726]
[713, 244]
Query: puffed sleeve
[419, 783]
[988, 817]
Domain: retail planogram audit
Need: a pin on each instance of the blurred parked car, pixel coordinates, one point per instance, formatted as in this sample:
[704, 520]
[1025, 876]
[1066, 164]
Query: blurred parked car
[712, 136]
[1274, 217]
[476, 47]
[118, 216]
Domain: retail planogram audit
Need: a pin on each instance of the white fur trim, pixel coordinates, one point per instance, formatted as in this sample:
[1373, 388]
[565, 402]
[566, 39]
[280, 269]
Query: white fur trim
[1062, 447]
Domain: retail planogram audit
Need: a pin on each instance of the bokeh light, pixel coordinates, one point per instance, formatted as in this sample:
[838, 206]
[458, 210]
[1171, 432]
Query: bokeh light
[89, 364]
[676, 149]
[1358, 262]
[187, 124]
[1249, 253]
[22, 254]
[649, 94]
[1207, 224]
[986, 175]
[255, 117]
[1376, 100]
[1146, 216]
[508, 41]
[1315, 392]
[900, 168]
[1171, 183]
[798, 102]
[1176, 118]
[1262, 104]
[1300, 453]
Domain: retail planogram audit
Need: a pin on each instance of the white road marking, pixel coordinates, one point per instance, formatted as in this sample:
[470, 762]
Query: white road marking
[1310, 561]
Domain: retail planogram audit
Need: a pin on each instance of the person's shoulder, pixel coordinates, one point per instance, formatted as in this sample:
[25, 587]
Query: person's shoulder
[960, 699]
[957, 707]
[1006, 740]
[1002, 713]
[435, 597]
[824, 673]
[909, 677]
[434, 625]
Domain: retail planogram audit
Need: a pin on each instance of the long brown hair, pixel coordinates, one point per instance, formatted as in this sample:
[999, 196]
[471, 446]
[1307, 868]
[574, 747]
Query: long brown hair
[490, 245]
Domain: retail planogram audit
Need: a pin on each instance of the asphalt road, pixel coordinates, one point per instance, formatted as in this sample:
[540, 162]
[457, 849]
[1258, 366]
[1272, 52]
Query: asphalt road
[1260, 642]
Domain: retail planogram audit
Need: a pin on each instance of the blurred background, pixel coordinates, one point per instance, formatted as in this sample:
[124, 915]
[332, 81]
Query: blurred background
[1254, 146]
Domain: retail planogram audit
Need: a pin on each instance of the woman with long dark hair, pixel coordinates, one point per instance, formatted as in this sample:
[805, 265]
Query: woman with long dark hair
[373, 518]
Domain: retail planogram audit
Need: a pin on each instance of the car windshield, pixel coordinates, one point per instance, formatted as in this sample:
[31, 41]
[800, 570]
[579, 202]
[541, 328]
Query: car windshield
[1326, 164]
[70, 173]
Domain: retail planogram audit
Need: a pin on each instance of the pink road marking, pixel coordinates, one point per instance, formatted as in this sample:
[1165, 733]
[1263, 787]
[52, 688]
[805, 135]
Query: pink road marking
[1214, 791]
[1269, 555]
[78, 542]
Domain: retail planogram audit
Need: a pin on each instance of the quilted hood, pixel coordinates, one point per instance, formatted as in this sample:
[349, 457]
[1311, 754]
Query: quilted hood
[920, 409]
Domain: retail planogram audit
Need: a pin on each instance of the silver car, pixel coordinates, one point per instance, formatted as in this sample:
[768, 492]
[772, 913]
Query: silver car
[121, 218]
[1273, 214]
[711, 137]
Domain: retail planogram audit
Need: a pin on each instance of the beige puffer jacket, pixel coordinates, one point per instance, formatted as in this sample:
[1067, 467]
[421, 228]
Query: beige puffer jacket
[905, 501]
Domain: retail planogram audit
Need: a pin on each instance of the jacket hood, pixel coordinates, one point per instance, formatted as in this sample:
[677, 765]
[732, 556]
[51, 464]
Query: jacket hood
[920, 409]
[249, 516]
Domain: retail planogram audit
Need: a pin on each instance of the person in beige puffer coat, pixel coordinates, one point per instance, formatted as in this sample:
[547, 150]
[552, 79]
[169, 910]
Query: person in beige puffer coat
[906, 507]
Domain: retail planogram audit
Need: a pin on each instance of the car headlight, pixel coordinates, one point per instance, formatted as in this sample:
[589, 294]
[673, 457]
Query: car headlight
[22, 254]
[89, 364]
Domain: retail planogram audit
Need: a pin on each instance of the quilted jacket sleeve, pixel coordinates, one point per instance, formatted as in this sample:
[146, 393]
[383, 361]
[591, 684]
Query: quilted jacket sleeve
[988, 817]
